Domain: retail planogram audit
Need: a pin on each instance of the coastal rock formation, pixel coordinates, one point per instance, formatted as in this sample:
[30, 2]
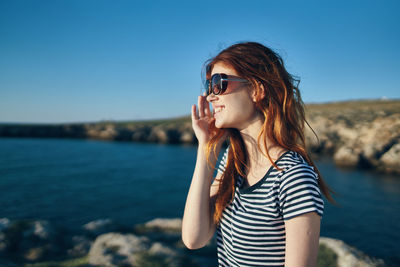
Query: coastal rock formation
[390, 159]
[114, 249]
[348, 256]
[80, 246]
[367, 136]
[154, 243]
[362, 134]
[32, 240]
[101, 226]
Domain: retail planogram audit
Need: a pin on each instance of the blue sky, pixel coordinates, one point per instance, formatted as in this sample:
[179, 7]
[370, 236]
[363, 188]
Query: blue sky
[92, 60]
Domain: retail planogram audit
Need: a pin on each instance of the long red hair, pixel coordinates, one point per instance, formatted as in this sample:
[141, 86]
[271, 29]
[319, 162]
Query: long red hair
[278, 99]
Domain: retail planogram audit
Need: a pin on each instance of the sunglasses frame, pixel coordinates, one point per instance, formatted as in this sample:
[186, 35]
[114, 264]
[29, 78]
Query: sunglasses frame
[222, 83]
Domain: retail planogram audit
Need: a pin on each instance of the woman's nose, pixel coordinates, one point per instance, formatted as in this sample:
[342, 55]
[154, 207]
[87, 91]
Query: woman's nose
[211, 97]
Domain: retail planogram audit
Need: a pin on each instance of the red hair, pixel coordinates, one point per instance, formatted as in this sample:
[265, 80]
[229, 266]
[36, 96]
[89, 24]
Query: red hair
[279, 101]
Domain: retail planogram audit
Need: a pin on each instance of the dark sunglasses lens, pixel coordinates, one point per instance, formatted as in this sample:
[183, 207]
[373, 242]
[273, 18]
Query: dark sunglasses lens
[207, 87]
[216, 84]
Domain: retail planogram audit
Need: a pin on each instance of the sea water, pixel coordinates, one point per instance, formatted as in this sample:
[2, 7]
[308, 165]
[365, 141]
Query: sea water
[72, 182]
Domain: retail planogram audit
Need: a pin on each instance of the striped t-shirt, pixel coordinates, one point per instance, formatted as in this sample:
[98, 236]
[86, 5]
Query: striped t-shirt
[252, 229]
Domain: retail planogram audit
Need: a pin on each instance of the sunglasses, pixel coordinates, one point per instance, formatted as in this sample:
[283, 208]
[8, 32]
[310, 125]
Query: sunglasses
[219, 83]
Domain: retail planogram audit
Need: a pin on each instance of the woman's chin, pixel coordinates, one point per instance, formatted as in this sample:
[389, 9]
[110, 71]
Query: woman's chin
[218, 124]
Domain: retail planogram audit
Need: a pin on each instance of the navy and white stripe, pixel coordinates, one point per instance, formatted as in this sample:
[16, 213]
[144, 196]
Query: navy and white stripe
[252, 227]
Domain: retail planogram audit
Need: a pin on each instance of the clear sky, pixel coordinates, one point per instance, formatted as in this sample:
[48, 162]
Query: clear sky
[92, 60]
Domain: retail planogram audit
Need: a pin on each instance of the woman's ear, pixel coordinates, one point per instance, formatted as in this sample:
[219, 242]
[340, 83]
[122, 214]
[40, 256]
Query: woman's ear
[258, 93]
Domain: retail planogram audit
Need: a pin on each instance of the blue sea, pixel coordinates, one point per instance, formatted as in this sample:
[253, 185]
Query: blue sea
[71, 182]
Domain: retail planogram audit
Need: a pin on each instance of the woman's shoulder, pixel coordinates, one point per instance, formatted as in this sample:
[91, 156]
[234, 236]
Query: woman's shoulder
[292, 163]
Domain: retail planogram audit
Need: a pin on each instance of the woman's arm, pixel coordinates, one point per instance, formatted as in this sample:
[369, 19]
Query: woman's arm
[302, 240]
[197, 225]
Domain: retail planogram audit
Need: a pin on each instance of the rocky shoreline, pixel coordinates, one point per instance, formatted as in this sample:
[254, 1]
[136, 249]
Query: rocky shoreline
[363, 134]
[154, 243]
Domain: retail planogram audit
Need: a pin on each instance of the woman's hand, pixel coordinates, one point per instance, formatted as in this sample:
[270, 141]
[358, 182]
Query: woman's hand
[202, 120]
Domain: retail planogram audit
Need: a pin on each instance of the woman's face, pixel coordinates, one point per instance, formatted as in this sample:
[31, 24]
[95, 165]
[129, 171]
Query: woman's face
[235, 108]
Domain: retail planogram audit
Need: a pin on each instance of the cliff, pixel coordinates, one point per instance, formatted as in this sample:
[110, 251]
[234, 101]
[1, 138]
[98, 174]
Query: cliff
[357, 134]
[362, 134]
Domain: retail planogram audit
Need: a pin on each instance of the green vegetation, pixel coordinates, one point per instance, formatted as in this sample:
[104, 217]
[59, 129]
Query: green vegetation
[326, 257]
[147, 260]
[367, 108]
[78, 262]
[377, 107]
[393, 105]
[148, 123]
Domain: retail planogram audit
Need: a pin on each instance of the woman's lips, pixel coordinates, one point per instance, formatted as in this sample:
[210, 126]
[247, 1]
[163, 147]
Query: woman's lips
[218, 109]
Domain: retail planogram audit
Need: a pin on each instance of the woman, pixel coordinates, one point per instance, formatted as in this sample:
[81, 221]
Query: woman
[265, 201]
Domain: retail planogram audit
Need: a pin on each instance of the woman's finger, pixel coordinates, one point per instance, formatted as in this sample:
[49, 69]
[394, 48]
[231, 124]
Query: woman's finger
[201, 106]
[207, 110]
[194, 113]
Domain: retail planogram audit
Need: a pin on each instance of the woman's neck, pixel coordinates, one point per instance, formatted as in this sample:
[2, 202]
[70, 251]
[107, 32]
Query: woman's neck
[250, 136]
[257, 154]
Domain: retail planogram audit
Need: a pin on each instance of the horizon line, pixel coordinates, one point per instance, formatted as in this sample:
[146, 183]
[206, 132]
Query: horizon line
[382, 99]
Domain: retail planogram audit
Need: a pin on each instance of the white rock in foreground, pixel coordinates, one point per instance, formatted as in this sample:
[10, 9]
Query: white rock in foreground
[114, 249]
[165, 224]
[349, 256]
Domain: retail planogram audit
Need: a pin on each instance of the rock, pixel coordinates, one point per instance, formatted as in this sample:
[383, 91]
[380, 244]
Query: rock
[3, 243]
[31, 240]
[356, 133]
[164, 134]
[123, 134]
[35, 253]
[4, 223]
[188, 137]
[377, 137]
[80, 246]
[97, 225]
[106, 132]
[41, 229]
[115, 249]
[158, 135]
[344, 132]
[109, 132]
[327, 137]
[100, 226]
[163, 230]
[174, 136]
[367, 129]
[159, 249]
[38, 240]
[141, 134]
[349, 256]
[168, 255]
[166, 225]
[391, 159]
[346, 157]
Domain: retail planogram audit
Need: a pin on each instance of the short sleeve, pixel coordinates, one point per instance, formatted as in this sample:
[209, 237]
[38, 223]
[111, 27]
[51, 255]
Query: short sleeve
[222, 163]
[299, 192]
